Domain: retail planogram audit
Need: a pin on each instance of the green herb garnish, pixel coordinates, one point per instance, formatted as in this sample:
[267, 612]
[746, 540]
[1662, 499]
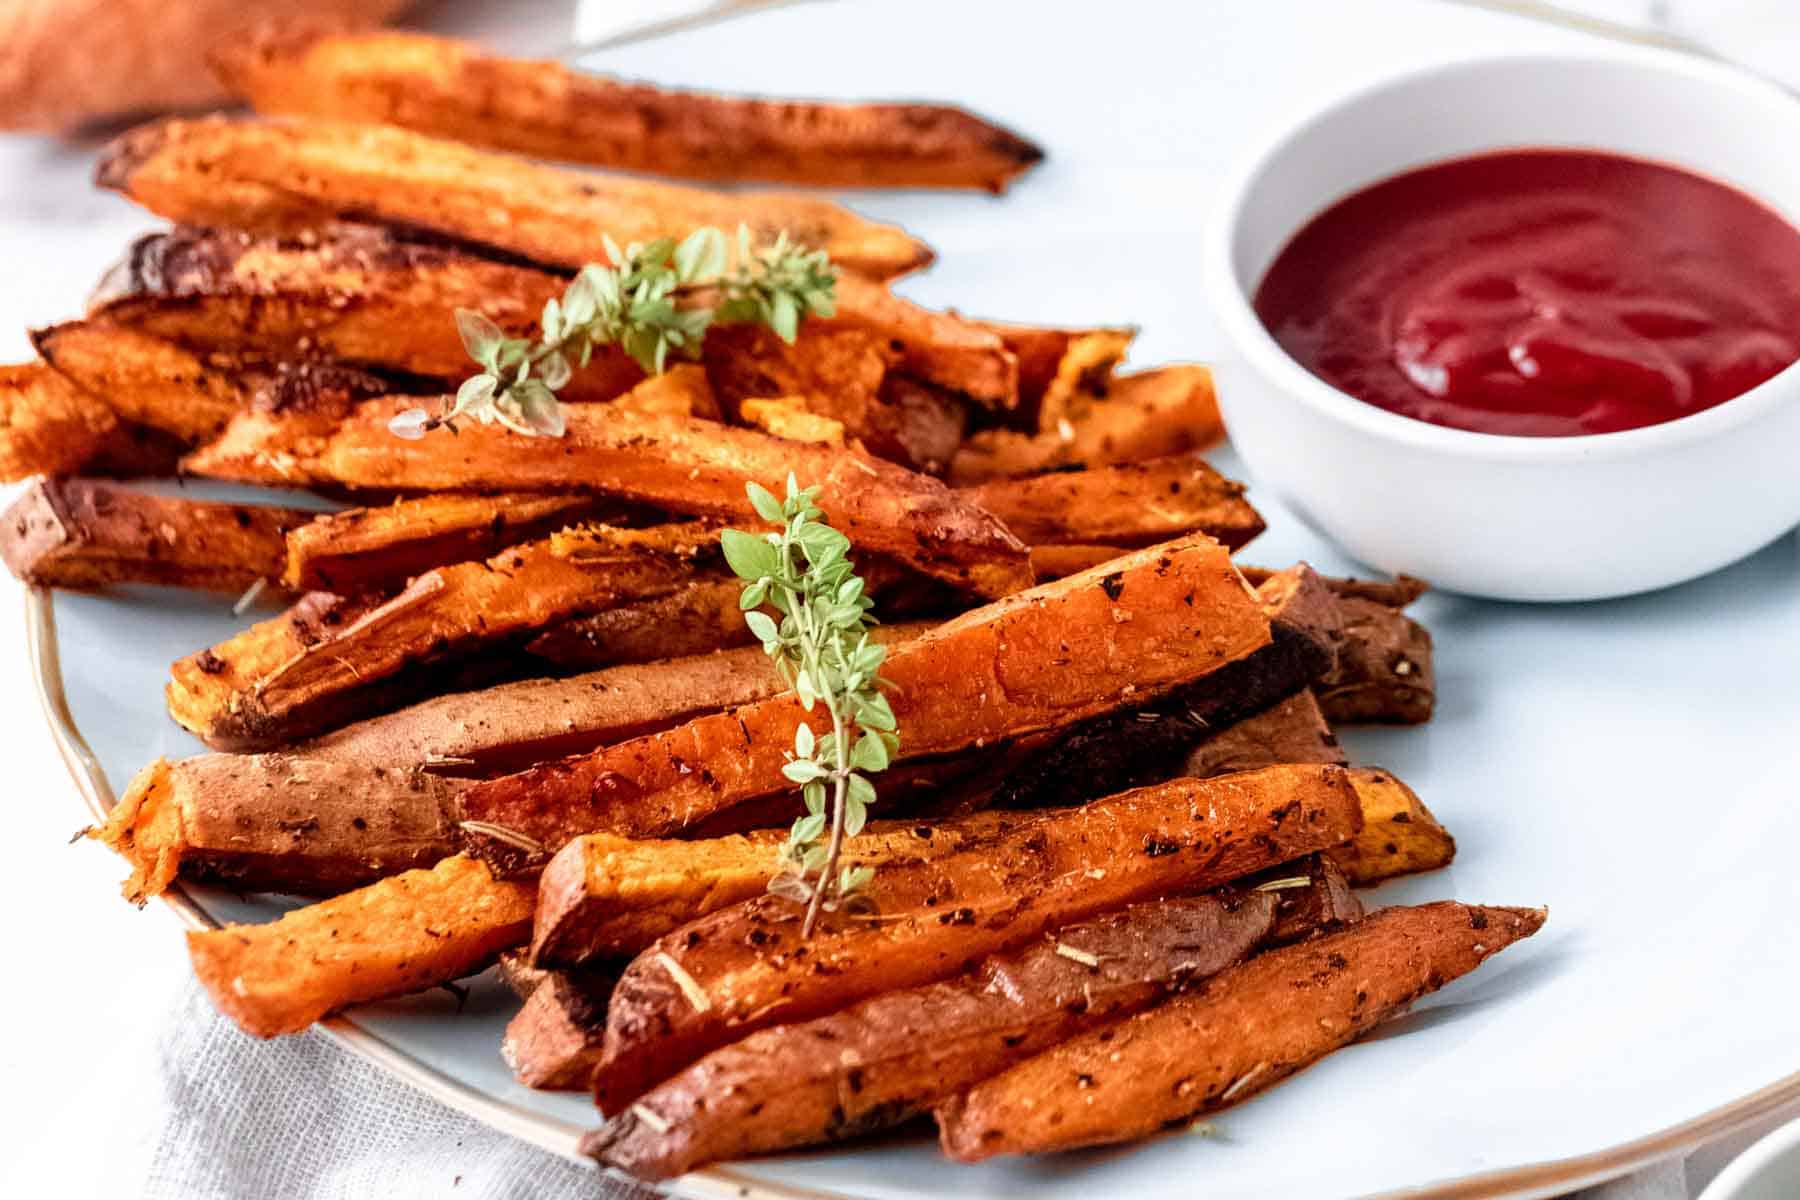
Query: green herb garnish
[660, 299]
[821, 646]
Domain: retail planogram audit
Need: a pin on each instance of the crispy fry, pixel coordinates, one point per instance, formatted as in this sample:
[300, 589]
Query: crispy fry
[736, 971]
[401, 935]
[277, 822]
[1291, 731]
[543, 108]
[278, 176]
[835, 373]
[452, 612]
[690, 466]
[1127, 505]
[1039, 659]
[1145, 738]
[1041, 349]
[789, 417]
[1240, 1032]
[1151, 414]
[894, 1055]
[146, 379]
[700, 618]
[938, 348]
[379, 549]
[76, 533]
[1400, 836]
[358, 293]
[48, 426]
[605, 897]
[517, 725]
[1082, 376]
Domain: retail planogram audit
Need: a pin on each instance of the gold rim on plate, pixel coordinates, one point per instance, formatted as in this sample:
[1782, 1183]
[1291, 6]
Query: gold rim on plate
[561, 1137]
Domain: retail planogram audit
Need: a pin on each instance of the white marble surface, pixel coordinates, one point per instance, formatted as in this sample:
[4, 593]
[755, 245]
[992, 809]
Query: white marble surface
[97, 985]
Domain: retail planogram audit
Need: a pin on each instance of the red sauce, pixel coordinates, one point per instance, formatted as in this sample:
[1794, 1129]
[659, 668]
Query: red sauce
[1540, 293]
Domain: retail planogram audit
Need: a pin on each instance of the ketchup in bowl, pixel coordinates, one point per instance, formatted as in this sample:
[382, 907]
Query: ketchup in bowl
[1540, 293]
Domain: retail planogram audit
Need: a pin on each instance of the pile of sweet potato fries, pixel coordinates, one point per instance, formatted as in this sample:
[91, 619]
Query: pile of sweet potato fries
[512, 712]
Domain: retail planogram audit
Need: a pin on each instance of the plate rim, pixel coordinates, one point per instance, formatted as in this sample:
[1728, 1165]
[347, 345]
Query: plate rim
[1531, 1180]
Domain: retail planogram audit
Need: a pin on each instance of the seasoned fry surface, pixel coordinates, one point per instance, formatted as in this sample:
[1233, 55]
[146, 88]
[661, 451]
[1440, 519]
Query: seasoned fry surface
[276, 176]
[745, 968]
[1039, 659]
[891, 1056]
[48, 425]
[546, 109]
[1235, 1035]
[1127, 505]
[400, 935]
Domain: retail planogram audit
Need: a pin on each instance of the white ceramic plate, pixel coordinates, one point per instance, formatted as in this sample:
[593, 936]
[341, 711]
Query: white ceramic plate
[1631, 765]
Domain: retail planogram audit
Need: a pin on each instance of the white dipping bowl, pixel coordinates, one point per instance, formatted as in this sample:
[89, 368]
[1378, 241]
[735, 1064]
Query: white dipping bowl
[1515, 518]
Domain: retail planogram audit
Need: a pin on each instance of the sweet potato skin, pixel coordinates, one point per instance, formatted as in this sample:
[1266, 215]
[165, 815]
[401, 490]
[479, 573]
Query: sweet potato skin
[77, 533]
[277, 822]
[555, 1038]
[1293, 730]
[1039, 659]
[1132, 504]
[275, 176]
[358, 293]
[1239, 1032]
[686, 465]
[401, 935]
[543, 108]
[1385, 668]
[941, 916]
[893, 1055]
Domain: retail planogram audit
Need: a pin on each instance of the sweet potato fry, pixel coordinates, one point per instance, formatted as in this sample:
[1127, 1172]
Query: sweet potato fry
[1238, 1033]
[1150, 414]
[892, 1056]
[1398, 592]
[1040, 659]
[357, 293]
[379, 549]
[555, 1038]
[1041, 351]
[741, 969]
[605, 897]
[1399, 836]
[279, 176]
[790, 417]
[401, 935]
[1125, 505]
[1082, 376]
[48, 426]
[1145, 738]
[453, 612]
[1056, 562]
[689, 466]
[543, 108]
[76, 533]
[835, 373]
[938, 348]
[516, 725]
[699, 618]
[277, 822]
[146, 379]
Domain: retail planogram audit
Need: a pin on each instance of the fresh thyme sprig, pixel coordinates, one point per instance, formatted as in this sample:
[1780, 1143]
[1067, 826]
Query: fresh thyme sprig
[821, 647]
[659, 299]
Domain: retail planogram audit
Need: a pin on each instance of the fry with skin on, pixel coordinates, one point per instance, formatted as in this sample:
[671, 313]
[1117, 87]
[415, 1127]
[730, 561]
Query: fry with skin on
[404, 934]
[546, 109]
[275, 176]
[740, 969]
[1400, 836]
[453, 612]
[77, 533]
[1040, 659]
[893, 1055]
[1132, 504]
[379, 549]
[1238, 1033]
[146, 379]
[686, 465]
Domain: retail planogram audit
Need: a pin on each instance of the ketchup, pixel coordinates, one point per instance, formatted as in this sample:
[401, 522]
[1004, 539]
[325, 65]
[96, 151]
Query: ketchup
[1540, 293]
